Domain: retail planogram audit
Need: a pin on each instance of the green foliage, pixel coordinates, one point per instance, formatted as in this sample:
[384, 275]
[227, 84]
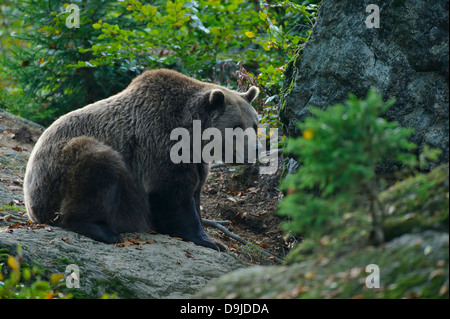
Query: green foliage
[19, 281]
[41, 86]
[56, 69]
[339, 151]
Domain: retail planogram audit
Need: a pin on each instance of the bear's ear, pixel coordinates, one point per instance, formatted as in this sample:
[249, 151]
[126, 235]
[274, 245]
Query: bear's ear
[251, 94]
[216, 99]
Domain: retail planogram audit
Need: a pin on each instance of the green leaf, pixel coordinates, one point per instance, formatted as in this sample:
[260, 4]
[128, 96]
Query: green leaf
[263, 15]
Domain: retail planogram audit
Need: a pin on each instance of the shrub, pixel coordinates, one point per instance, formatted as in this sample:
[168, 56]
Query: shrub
[42, 87]
[56, 69]
[339, 150]
[19, 281]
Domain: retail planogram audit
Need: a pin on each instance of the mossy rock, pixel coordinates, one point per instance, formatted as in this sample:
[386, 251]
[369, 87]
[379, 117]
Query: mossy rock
[411, 266]
[418, 203]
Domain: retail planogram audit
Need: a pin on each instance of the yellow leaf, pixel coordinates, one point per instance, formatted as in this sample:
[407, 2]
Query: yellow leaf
[49, 295]
[310, 275]
[250, 34]
[308, 134]
[55, 278]
[96, 25]
[13, 263]
[26, 274]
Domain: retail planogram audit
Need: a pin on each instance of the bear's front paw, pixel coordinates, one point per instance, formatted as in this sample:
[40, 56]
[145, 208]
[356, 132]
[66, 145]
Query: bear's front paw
[209, 243]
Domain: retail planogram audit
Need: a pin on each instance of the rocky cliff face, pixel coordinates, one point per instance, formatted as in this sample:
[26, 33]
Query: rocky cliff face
[407, 57]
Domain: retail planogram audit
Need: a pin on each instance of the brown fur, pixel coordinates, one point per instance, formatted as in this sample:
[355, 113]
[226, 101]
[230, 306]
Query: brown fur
[105, 169]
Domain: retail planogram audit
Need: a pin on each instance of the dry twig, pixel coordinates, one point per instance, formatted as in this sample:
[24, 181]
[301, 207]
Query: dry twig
[219, 225]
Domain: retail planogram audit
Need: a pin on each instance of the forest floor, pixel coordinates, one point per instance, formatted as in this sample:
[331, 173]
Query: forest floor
[238, 194]
[249, 200]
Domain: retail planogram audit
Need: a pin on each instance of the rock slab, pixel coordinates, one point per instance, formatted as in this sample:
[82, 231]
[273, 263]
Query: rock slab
[159, 267]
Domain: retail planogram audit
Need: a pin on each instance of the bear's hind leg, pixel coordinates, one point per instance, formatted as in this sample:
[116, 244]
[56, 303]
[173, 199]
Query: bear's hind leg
[89, 215]
[92, 192]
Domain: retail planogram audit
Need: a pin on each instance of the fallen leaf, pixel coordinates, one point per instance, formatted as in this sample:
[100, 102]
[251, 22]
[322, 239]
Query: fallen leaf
[189, 255]
[16, 202]
[6, 217]
[125, 243]
[133, 241]
[231, 199]
[65, 239]
[310, 275]
[13, 188]
[15, 225]
[355, 272]
[325, 240]
[435, 273]
[443, 290]
[18, 182]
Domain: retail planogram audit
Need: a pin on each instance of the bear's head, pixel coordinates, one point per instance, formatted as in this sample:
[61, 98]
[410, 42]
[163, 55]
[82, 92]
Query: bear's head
[232, 115]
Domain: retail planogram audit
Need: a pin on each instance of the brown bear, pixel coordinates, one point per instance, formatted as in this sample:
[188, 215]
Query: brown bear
[105, 169]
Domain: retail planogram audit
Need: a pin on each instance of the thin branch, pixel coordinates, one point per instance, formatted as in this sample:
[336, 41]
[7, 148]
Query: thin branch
[212, 223]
